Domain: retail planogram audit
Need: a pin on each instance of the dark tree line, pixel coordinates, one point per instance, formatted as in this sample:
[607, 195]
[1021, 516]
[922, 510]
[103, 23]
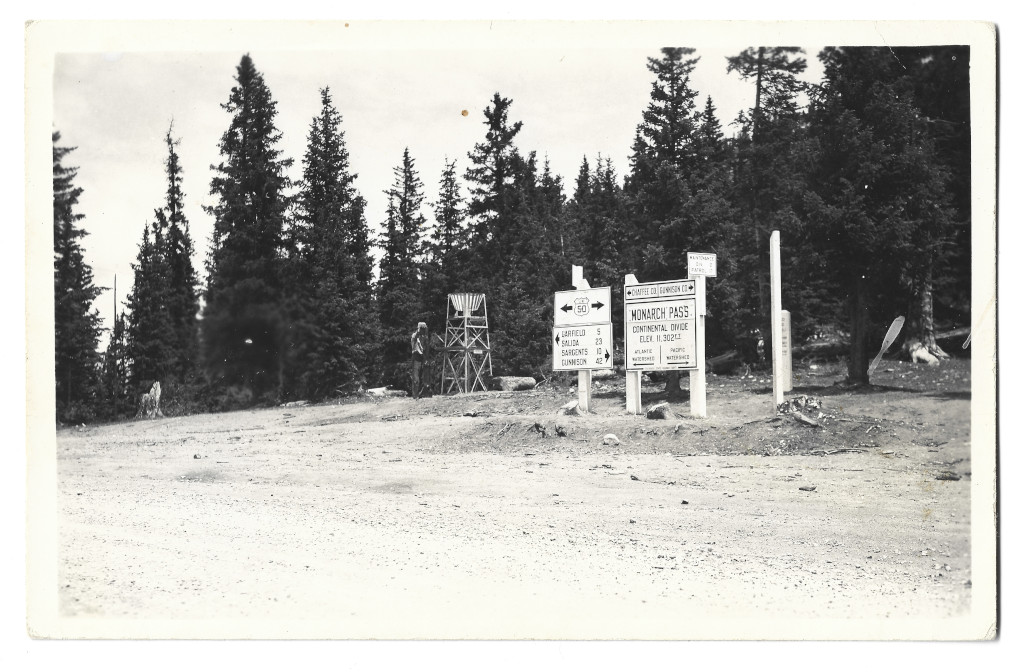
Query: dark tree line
[866, 175]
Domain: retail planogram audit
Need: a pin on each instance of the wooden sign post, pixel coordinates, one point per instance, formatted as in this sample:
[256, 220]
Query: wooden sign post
[776, 279]
[582, 335]
[700, 266]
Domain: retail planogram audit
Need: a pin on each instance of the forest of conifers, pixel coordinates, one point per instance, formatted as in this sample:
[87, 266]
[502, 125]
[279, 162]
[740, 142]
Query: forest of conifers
[866, 175]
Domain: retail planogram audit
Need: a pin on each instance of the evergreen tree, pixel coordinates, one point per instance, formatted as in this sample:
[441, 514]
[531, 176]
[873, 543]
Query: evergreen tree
[76, 323]
[880, 192]
[517, 219]
[491, 175]
[117, 399]
[445, 266]
[677, 193]
[161, 339]
[663, 162]
[335, 322]
[244, 327]
[399, 297]
[774, 153]
[150, 338]
[182, 280]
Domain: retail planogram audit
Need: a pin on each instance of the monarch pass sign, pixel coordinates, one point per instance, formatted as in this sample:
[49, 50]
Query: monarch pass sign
[661, 326]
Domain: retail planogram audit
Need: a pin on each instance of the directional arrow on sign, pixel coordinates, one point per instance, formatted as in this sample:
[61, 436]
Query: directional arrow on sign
[566, 308]
[597, 305]
[606, 355]
[558, 339]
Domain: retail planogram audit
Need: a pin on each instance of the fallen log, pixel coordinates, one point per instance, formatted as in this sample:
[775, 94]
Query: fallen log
[513, 383]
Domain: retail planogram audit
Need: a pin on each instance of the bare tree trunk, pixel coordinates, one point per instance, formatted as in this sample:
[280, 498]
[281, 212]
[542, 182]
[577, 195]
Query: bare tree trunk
[672, 387]
[920, 343]
[857, 367]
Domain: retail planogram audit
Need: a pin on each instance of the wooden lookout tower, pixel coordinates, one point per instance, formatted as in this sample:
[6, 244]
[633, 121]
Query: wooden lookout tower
[467, 344]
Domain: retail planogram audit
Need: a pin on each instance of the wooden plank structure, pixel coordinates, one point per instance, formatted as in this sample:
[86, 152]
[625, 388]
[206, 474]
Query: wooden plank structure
[467, 344]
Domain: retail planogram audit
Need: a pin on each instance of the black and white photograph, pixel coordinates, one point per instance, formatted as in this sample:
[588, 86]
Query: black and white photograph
[511, 330]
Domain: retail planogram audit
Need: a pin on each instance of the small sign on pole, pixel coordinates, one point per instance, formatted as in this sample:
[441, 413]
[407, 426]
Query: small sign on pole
[701, 264]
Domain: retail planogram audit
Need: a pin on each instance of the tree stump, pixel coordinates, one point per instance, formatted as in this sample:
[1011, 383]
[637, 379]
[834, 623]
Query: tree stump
[150, 405]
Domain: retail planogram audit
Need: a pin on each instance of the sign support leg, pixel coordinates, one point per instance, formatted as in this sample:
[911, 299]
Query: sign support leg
[584, 391]
[632, 377]
[633, 392]
[698, 378]
[776, 271]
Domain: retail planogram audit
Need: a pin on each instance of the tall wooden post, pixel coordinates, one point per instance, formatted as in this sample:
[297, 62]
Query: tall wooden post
[584, 377]
[633, 404]
[698, 378]
[776, 271]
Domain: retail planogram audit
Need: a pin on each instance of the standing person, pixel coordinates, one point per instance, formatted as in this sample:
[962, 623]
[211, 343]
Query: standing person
[419, 342]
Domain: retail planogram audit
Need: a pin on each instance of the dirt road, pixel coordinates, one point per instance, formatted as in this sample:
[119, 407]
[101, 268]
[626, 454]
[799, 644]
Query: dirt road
[489, 515]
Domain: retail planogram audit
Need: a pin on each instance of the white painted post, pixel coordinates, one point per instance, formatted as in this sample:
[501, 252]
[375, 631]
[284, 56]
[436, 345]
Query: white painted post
[584, 377]
[776, 273]
[698, 378]
[633, 404]
[787, 352]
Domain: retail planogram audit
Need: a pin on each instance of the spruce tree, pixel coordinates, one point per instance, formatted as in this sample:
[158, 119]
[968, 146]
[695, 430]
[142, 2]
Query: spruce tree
[445, 264]
[117, 399]
[245, 322]
[491, 175]
[335, 320]
[516, 215]
[399, 297]
[182, 280]
[161, 340]
[150, 338]
[76, 323]
[774, 154]
[880, 194]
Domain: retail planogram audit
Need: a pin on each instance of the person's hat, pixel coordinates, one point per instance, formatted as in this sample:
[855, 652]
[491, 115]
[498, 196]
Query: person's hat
[421, 325]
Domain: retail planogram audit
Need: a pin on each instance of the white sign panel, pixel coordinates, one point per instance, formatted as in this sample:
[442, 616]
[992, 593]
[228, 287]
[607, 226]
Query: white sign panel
[661, 325]
[582, 348]
[661, 334]
[659, 290]
[701, 263]
[583, 306]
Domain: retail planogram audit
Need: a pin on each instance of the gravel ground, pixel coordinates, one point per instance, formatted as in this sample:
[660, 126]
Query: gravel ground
[471, 516]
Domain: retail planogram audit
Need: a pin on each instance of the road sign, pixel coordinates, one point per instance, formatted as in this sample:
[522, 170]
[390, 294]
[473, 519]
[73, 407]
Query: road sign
[701, 263]
[582, 348]
[661, 325]
[659, 290]
[583, 306]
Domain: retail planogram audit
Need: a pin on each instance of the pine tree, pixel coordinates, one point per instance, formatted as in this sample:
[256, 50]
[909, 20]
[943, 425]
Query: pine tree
[491, 175]
[399, 297]
[182, 280]
[150, 338]
[663, 161]
[245, 324]
[880, 192]
[76, 323]
[161, 339]
[335, 323]
[117, 399]
[774, 153]
[445, 265]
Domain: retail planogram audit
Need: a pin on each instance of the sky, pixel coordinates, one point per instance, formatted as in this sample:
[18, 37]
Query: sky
[116, 107]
